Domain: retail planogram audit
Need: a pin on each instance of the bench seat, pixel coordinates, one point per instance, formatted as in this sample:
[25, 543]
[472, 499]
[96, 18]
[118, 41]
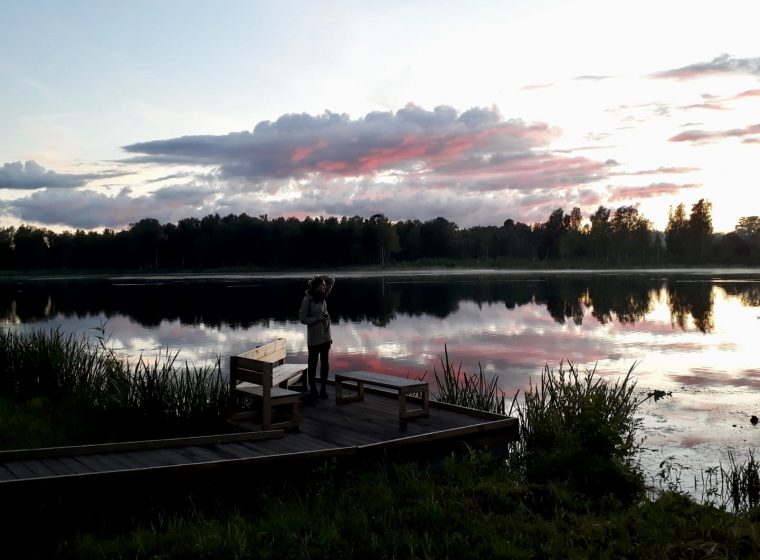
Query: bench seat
[404, 387]
[282, 396]
[290, 373]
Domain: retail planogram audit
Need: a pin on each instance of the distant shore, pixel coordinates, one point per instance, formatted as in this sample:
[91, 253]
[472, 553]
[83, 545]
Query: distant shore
[369, 272]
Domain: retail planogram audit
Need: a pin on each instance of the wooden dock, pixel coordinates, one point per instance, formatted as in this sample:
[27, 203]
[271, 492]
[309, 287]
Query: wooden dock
[326, 430]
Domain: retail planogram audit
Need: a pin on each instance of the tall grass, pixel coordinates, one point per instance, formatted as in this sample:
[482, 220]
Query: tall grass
[580, 429]
[456, 386]
[55, 365]
[110, 397]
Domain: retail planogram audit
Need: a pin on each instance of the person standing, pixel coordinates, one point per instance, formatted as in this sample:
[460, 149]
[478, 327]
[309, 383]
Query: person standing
[314, 315]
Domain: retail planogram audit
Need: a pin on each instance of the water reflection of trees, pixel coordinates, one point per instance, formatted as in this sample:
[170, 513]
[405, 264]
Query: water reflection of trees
[242, 304]
[748, 294]
[693, 299]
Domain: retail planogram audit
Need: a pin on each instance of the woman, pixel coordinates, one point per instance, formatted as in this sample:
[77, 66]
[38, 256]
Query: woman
[318, 337]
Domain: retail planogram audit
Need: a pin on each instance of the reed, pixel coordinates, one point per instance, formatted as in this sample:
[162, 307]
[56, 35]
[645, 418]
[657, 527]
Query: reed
[456, 386]
[579, 428]
[55, 365]
[111, 397]
[742, 481]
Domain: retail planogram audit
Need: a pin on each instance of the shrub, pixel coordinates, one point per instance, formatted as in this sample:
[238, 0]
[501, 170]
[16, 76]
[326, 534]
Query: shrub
[581, 430]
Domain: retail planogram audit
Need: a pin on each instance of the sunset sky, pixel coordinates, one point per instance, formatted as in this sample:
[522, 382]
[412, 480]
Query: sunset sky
[475, 111]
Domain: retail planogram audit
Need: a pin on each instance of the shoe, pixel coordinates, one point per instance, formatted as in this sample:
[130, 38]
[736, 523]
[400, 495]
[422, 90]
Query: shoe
[323, 394]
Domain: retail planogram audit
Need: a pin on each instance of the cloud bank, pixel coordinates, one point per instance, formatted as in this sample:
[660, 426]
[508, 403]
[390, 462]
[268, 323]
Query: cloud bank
[31, 175]
[472, 167]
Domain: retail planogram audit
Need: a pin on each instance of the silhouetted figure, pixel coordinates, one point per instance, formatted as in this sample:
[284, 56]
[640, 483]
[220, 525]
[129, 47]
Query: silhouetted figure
[314, 314]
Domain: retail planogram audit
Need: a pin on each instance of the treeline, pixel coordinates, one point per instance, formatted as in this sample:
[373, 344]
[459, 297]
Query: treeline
[611, 237]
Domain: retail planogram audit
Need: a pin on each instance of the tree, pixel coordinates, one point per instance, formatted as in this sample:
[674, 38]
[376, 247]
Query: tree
[676, 232]
[384, 238]
[630, 232]
[700, 227]
[748, 228]
[551, 233]
[31, 247]
[600, 232]
[6, 247]
[145, 236]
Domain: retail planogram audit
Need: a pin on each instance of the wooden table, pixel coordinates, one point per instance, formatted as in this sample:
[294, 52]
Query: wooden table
[358, 379]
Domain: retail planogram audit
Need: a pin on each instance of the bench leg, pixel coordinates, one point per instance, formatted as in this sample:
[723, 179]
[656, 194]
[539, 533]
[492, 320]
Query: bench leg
[339, 398]
[405, 414]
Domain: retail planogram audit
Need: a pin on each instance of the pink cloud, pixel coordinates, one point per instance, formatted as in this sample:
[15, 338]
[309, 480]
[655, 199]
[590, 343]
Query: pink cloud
[705, 136]
[648, 191]
[708, 106]
[660, 171]
[748, 93]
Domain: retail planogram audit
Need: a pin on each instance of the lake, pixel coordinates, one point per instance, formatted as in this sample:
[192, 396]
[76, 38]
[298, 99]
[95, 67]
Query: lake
[694, 333]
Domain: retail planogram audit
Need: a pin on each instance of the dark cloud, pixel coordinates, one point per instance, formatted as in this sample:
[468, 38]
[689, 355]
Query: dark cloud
[182, 175]
[31, 175]
[331, 144]
[724, 64]
[89, 209]
[703, 136]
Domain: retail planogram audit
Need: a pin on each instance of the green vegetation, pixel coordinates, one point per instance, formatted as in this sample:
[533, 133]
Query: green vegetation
[536, 504]
[570, 487]
[57, 389]
[580, 430]
[467, 507]
[457, 387]
[609, 237]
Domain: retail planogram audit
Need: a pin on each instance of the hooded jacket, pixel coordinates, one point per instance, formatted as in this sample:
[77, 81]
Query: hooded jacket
[317, 331]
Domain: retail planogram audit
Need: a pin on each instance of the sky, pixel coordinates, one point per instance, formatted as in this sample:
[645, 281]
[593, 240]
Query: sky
[477, 111]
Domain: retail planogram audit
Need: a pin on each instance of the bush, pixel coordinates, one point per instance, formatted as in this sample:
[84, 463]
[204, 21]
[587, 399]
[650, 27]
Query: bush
[580, 430]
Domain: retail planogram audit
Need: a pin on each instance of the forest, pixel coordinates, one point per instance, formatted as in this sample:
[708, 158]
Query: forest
[619, 237]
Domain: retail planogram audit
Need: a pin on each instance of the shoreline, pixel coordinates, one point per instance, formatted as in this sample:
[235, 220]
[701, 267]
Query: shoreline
[384, 272]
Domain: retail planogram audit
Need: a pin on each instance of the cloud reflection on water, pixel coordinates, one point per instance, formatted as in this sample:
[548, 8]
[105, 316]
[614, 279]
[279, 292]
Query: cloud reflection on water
[697, 338]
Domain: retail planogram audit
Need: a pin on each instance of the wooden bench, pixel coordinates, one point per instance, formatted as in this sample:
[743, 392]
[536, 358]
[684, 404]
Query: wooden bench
[358, 379]
[263, 373]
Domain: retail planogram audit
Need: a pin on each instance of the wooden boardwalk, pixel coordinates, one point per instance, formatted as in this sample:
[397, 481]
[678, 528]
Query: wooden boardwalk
[326, 430]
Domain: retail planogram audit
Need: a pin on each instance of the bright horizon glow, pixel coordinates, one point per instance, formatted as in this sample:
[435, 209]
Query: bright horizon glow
[130, 111]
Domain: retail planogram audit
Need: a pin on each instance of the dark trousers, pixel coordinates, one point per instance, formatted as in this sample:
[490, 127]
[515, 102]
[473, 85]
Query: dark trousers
[319, 352]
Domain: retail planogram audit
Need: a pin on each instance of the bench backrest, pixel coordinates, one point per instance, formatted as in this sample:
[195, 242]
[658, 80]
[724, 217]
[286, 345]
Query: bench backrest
[257, 364]
[270, 352]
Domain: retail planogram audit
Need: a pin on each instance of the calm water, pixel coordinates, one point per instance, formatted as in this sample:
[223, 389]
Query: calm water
[696, 334]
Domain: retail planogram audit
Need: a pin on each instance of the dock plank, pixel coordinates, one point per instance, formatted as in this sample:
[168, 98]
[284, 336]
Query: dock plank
[238, 450]
[325, 429]
[174, 456]
[76, 466]
[38, 468]
[5, 474]
[20, 470]
[141, 458]
[223, 452]
[126, 461]
[200, 453]
[58, 467]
